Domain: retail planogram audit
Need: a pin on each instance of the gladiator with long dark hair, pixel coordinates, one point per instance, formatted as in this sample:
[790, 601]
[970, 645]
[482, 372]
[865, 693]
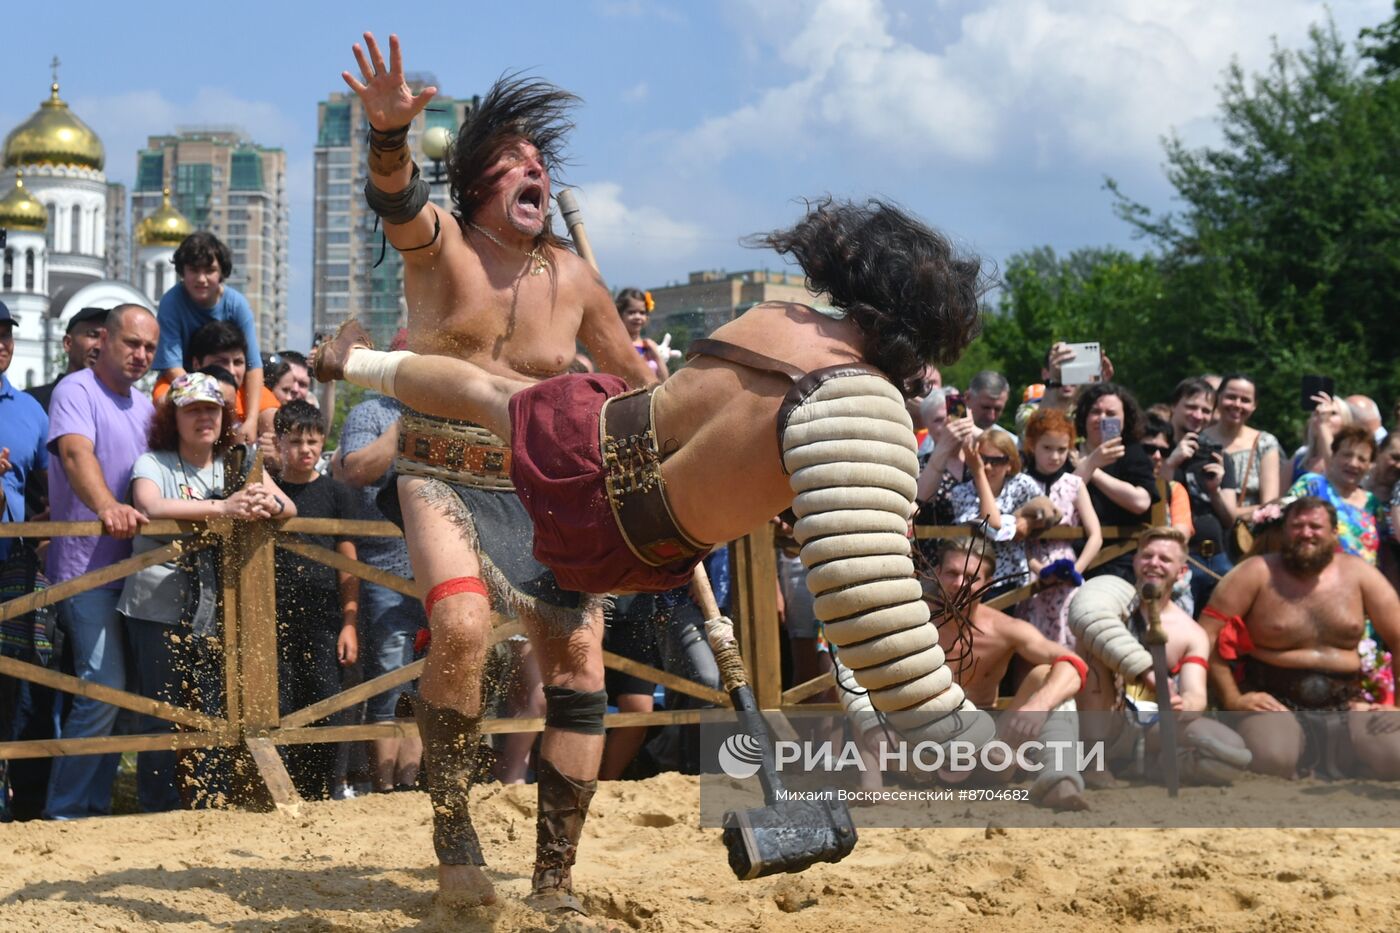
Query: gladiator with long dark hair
[916, 299]
[515, 108]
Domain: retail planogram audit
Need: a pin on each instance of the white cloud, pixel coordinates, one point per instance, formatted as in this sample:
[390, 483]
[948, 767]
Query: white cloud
[1081, 80]
[637, 93]
[639, 241]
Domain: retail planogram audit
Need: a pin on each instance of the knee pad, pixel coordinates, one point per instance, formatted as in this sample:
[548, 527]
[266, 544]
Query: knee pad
[848, 448]
[1098, 615]
[574, 710]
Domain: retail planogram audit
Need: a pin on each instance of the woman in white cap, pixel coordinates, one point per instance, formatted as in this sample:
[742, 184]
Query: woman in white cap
[181, 476]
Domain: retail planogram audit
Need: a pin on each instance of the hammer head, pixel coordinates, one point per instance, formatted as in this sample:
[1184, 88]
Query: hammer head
[787, 836]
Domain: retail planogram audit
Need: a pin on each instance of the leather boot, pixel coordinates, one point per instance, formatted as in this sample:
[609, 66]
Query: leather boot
[563, 807]
[450, 748]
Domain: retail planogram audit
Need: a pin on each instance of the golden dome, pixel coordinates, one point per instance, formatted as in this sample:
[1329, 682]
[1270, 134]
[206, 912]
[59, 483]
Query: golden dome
[166, 227]
[20, 211]
[53, 135]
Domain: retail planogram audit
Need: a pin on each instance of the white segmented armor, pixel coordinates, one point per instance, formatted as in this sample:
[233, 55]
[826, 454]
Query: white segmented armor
[1098, 615]
[849, 448]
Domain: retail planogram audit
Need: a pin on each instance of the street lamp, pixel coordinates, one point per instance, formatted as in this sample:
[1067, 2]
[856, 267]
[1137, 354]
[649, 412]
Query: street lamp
[436, 141]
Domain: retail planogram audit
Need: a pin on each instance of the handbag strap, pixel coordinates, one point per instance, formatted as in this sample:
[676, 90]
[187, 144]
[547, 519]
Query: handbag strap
[1253, 454]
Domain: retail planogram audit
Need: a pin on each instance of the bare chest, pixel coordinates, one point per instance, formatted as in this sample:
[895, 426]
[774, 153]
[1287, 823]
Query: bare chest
[1290, 615]
[525, 324]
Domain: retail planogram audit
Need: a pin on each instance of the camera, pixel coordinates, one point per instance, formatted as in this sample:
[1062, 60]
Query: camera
[1206, 449]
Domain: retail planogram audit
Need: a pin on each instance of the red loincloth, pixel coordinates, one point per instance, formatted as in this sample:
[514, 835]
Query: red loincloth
[557, 469]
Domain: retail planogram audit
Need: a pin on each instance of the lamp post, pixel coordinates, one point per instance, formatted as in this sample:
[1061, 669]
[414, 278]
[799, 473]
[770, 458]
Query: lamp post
[436, 141]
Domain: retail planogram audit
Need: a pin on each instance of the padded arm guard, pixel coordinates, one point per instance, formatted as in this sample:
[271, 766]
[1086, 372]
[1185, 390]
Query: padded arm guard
[848, 446]
[1098, 615]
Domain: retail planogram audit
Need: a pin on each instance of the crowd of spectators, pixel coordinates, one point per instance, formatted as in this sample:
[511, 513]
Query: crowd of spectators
[1105, 462]
[160, 415]
[96, 446]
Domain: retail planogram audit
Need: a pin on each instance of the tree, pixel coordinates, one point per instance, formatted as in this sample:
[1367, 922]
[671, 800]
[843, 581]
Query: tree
[1103, 295]
[1285, 257]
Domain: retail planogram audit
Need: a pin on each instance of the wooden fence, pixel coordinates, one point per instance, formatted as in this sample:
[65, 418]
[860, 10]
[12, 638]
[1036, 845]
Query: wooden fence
[249, 639]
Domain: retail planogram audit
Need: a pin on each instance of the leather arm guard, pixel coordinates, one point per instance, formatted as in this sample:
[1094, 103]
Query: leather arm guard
[401, 206]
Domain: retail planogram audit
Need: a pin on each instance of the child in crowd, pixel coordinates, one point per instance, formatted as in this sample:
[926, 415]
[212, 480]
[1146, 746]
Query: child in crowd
[182, 477]
[317, 607]
[1053, 563]
[203, 263]
[223, 344]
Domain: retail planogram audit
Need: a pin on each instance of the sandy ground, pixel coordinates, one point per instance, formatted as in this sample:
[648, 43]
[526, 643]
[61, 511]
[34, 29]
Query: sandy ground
[366, 864]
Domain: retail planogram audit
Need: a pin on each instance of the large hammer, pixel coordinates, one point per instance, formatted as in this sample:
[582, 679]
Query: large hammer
[784, 835]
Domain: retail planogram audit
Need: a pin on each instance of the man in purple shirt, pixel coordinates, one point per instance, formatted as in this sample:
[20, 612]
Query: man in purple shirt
[97, 429]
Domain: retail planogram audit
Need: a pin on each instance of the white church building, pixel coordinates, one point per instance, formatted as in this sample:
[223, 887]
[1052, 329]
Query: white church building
[53, 206]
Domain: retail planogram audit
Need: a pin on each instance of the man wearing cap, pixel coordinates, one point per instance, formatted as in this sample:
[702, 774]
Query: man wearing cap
[97, 428]
[80, 343]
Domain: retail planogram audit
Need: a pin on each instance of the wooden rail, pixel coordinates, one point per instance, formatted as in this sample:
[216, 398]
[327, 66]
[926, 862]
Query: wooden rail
[249, 645]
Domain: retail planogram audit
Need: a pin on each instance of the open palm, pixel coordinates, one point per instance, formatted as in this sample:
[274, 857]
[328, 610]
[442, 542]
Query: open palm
[389, 102]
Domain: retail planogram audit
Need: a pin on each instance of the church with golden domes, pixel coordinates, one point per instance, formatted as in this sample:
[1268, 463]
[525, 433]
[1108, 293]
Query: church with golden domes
[61, 245]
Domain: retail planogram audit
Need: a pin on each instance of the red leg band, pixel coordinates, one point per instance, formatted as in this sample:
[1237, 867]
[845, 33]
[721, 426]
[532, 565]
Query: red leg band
[1078, 664]
[451, 588]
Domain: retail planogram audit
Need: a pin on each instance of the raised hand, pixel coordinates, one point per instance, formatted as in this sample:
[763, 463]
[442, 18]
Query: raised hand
[388, 101]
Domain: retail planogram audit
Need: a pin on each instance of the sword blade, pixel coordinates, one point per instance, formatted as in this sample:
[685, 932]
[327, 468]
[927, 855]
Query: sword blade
[1166, 717]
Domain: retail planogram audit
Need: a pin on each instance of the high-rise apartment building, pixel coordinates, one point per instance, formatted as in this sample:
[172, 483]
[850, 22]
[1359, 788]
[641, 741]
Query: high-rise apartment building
[226, 184]
[355, 273]
[118, 255]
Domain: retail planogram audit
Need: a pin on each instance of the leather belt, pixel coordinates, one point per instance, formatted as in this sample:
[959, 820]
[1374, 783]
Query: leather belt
[633, 482]
[457, 452]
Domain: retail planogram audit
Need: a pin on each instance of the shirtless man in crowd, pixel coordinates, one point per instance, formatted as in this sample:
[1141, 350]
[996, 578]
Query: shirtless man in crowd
[1160, 559]
[1292, 623]
[968, 564]
[489, 283]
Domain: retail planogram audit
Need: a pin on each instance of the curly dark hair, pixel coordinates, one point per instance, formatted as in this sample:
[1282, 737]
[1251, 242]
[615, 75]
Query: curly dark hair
[514, 108]
[913, 297]
[1133, 419]
[203, 249]
[299, 415]
[165, 435]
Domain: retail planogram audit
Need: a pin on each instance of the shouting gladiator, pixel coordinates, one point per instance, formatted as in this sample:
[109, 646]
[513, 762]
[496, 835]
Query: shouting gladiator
[489, 285]
[786, 405]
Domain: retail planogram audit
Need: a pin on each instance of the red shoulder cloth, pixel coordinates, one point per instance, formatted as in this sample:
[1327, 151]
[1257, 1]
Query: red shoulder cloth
[1234, 642]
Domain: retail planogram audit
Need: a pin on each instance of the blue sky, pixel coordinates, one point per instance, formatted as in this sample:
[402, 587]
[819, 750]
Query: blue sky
[704, 121]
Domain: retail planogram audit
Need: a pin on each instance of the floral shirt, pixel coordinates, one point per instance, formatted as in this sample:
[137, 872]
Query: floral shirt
[1358, 527]
[1015, 492]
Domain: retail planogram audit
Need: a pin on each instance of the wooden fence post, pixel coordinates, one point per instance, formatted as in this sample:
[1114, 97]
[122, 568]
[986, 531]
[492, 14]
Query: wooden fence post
[755, 606]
